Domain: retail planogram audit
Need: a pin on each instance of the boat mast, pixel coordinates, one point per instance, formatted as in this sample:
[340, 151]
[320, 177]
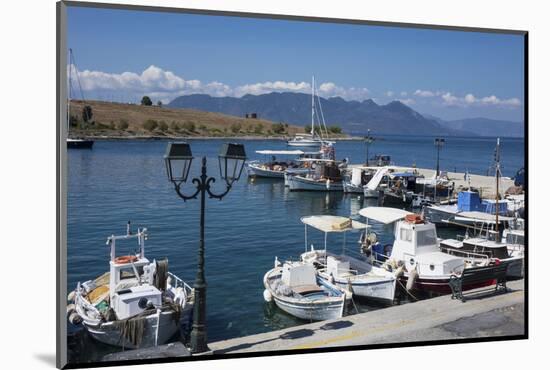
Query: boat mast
[497, 175]
[69, 92]
[312, 105]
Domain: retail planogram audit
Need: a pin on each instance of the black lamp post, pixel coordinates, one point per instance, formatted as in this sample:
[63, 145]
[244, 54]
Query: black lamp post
[438, 143]
[178, 160]
[368, 140]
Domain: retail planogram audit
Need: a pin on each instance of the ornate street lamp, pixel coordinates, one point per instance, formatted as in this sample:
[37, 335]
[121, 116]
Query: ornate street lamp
[368, 140]
[438, 143]
[178, 160]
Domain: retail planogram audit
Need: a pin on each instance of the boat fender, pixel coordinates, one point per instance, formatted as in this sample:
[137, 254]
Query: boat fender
[328, 184]
[400, 271]
[267, 296]
[74, 318]
[413, 275]
[331, 278]
[179, 297]
[70, 296]
[70, 309]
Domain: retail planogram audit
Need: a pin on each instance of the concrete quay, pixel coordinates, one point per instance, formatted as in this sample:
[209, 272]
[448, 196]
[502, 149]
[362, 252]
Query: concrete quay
[484, 314]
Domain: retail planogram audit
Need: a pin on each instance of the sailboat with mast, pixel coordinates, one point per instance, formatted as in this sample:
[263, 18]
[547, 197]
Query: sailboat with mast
[74, 142]
[313, 139]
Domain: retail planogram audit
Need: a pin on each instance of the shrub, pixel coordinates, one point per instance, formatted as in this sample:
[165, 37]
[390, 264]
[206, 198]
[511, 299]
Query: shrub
[163, 126]
[335, 129]
[150, 125]
[174, 126]
[278, 128]
[258, 128]
[236, 127]
[202, 127]
[123, 124]
[190, 126]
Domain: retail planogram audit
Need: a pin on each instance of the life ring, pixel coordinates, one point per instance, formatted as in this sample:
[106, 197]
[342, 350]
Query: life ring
[125, 259]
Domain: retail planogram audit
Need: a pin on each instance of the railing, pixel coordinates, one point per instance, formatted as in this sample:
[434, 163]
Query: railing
[469, 256]
[179, 283]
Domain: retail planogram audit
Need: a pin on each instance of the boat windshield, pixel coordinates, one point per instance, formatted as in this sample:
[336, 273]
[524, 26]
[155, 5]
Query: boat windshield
[426, 237]
[128, 272]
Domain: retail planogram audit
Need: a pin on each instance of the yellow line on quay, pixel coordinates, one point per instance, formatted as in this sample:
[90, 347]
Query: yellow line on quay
[353, 334]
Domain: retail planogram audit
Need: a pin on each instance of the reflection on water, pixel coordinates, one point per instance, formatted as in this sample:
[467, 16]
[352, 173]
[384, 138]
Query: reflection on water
[258, 220]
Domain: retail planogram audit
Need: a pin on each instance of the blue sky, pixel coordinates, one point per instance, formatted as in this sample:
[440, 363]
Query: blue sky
[123, 54]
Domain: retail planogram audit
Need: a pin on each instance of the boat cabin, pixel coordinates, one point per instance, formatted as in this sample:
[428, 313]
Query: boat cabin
[415, 242]
[131, 280]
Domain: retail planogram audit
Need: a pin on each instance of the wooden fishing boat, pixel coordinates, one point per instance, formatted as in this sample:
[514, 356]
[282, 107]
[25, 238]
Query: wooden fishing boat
[136, 304]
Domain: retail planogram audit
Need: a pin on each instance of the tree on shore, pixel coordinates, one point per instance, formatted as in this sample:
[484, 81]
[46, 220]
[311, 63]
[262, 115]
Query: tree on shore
[159, 103]
[146, 101]
[87, 113]
[278, 128]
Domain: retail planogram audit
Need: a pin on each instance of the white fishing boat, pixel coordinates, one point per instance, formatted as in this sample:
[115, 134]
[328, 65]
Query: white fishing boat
[417, 253]
[297, 289]
[325, 175]
[512, 255]
[273, 168]
[354, 274]
[315, 137]
[136, 304]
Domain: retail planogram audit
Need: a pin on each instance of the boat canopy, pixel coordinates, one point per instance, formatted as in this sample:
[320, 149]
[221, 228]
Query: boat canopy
[280, 152]
[386, 215]
[332, 224]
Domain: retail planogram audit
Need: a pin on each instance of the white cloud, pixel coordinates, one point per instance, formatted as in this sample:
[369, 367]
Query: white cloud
[424, 93]
[408, 101]
[470, 100]
[165, 85]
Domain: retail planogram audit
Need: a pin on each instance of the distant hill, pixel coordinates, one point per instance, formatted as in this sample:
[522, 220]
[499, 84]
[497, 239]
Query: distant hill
[486, 127]
[353, 116]
[108, 118]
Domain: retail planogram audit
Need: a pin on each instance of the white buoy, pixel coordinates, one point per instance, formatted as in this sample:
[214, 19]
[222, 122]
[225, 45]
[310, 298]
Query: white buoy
[267, 296]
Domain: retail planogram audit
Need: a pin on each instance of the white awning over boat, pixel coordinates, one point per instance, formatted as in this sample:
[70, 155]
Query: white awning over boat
[385, 215]
[332, 224]
[280, 152]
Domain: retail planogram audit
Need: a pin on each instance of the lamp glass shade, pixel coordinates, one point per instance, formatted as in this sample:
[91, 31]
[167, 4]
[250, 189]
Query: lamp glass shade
[178, 160]
[231, 161]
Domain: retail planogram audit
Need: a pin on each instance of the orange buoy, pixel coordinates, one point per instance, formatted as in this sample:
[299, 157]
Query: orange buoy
[125, 259]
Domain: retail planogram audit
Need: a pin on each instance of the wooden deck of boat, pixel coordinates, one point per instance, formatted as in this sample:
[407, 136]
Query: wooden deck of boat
[483, 314]
[485, 183]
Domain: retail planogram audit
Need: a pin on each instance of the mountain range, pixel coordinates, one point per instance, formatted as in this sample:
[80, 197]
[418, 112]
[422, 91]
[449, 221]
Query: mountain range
[353, 117]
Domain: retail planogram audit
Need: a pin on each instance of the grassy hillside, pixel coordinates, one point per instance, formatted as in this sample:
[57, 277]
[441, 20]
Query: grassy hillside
[130, 120]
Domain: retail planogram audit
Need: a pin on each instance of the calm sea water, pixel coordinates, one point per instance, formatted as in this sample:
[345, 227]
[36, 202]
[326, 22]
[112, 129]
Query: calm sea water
[119, 181]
